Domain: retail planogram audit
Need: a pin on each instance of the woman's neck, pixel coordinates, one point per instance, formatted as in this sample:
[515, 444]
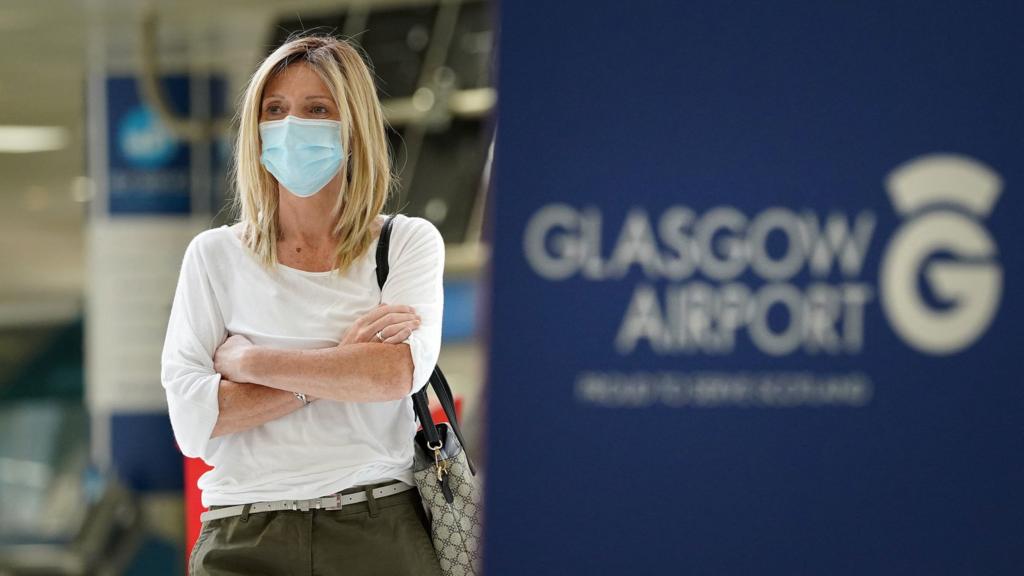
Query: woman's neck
[307, 221]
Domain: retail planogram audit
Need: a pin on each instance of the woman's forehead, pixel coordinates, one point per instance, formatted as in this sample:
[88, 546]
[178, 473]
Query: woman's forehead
[297, 77]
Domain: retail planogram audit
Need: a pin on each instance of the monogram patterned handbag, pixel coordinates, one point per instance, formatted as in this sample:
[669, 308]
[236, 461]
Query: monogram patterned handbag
[445, 476]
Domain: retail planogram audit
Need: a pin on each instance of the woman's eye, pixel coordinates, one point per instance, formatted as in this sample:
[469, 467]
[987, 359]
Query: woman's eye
[319, 110]
[273, 109]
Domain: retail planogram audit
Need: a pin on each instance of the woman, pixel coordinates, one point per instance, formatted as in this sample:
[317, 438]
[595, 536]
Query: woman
[285, 367]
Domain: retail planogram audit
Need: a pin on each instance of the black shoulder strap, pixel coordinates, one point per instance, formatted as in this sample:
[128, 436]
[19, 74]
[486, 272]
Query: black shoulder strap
[382, 251]
[437, 381]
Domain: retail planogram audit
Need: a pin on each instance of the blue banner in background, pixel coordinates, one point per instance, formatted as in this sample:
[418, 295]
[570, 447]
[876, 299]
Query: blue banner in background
[149, 168]
[144, 453]
[753, 289]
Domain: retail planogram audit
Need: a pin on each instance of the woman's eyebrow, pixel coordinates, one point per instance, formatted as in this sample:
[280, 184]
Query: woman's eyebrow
[314, 97]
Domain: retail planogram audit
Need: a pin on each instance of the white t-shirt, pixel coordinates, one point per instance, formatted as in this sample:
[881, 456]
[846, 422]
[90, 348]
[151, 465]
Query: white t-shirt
[326, 446]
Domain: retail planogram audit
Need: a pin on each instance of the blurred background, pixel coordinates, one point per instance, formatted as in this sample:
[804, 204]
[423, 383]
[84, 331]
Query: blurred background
[114, 147]
[748, 291]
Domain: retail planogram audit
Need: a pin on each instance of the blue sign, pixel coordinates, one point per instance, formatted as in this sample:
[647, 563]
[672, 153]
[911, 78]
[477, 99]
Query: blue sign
[144, 453]
[143, 140]
[149, 168]
[752, 295]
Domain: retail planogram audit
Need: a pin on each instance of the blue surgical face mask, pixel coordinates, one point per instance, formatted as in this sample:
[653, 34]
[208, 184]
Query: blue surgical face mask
[302, 154]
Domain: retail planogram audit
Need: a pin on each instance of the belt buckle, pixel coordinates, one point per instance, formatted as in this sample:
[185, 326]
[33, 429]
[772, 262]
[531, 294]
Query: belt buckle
[332, 502]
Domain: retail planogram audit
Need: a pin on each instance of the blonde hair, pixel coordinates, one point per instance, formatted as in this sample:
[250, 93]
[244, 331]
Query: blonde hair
[366, 177]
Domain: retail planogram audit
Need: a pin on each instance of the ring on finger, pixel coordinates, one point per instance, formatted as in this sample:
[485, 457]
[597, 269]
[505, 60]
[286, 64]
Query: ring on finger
[380, 336]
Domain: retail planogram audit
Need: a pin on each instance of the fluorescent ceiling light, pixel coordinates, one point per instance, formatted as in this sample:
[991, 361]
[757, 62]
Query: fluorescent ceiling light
[24, 139]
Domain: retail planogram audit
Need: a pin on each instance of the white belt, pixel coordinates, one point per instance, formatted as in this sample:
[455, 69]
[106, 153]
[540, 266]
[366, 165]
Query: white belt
[332, 502]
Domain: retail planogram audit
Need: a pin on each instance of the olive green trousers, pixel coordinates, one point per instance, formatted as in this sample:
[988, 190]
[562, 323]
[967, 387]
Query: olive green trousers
[382, 536]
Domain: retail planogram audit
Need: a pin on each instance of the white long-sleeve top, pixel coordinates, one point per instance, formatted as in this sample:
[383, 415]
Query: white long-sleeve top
[326, 446]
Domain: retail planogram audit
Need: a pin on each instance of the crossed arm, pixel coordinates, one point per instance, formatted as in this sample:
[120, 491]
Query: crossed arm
[217, 386]
[258, 382]
[244, 405]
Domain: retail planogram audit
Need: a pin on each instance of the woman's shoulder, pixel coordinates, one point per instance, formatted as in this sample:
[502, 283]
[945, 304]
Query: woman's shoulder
[216, 243]
[415, 230]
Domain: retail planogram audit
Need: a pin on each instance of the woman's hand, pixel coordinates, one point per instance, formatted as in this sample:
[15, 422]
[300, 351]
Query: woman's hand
[395, 323]
[228, 358]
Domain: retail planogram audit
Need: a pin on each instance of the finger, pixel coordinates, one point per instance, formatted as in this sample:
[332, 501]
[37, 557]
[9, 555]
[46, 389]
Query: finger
[380, 311]
[392, 330]
[395, 329]
[400, 335]
[390, 320]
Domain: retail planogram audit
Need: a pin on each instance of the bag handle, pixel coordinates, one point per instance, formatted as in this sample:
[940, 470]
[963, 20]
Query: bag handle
[420, 401]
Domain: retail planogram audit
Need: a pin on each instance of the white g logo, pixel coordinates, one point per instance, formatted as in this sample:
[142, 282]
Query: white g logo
[925, 190]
